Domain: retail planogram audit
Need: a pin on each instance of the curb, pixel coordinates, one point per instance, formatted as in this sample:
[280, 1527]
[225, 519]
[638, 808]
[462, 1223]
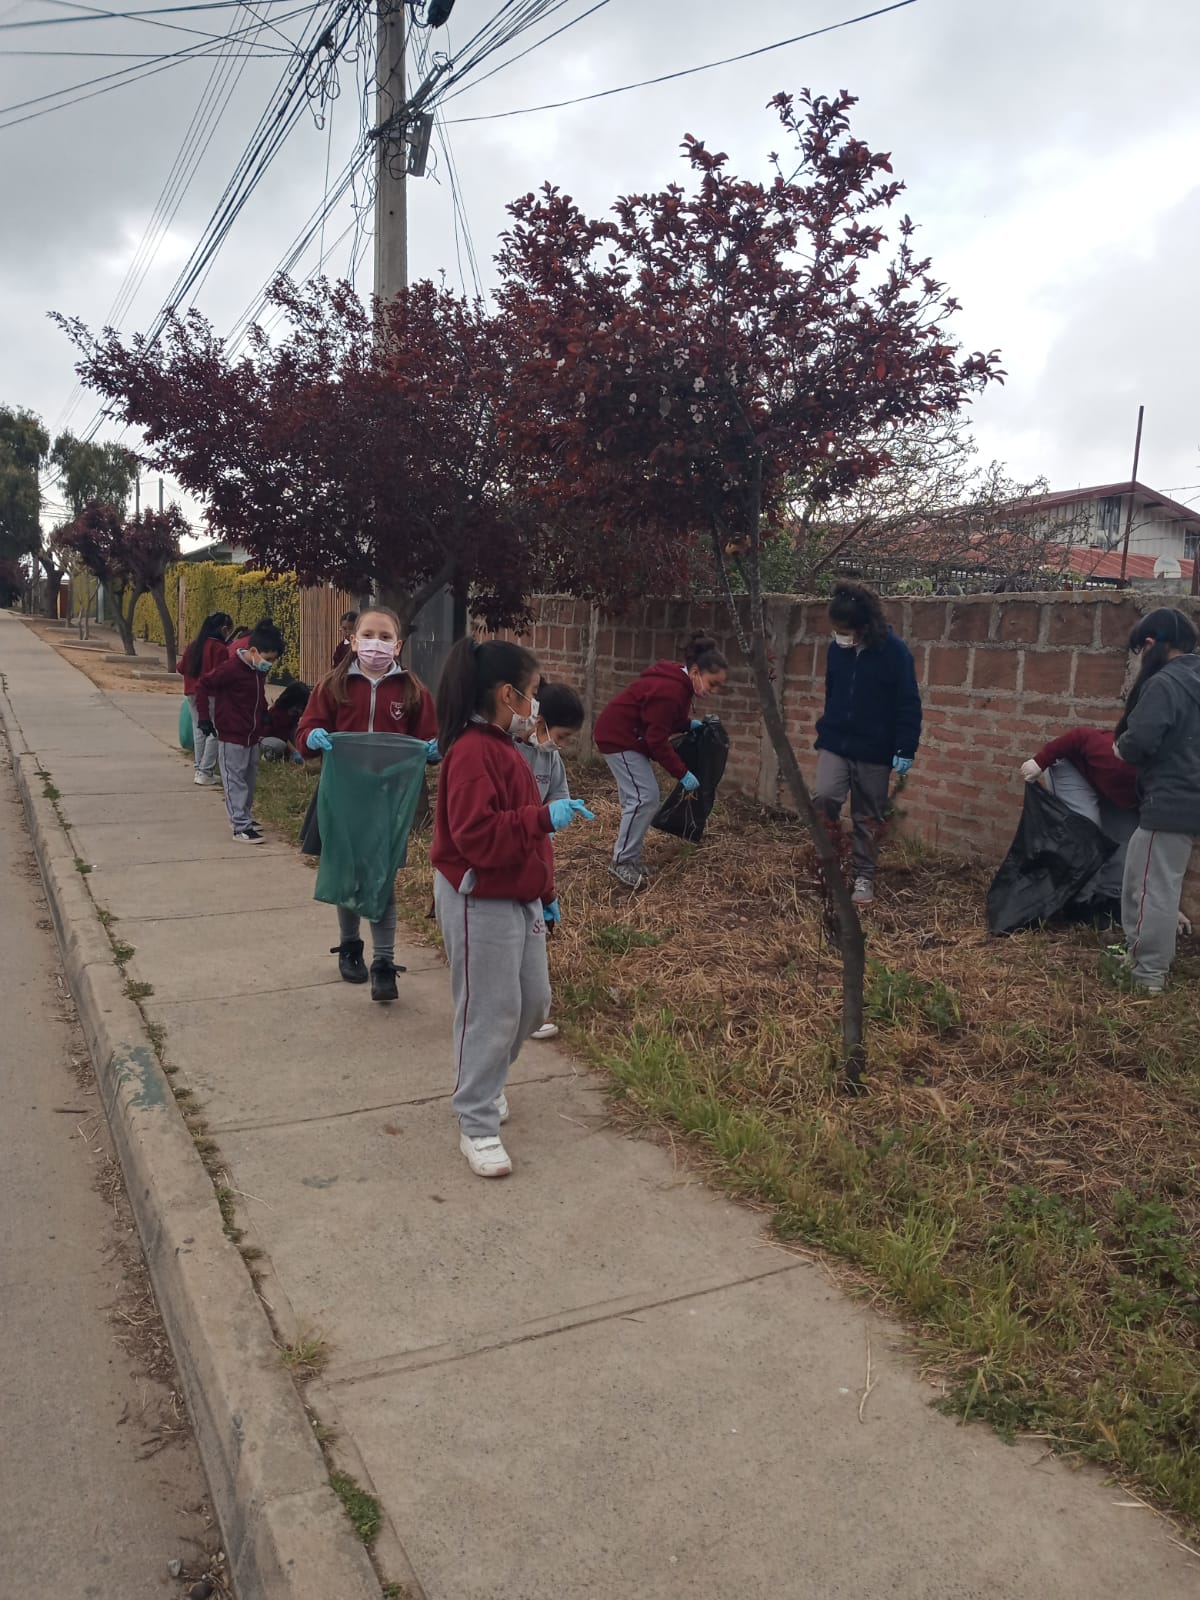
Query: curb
[284, 1532]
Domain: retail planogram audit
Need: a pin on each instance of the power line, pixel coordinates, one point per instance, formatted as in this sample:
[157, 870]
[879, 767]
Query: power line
[686, 72]
[529, 49]
[95, 14]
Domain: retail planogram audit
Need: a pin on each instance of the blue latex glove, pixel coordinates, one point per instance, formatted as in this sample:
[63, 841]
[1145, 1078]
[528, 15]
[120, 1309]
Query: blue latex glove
[431, 748]
[297, 758]
[551, 913]
[690, 782]
[318, 739]
[901, 764]
[564, 812]
[696, 723]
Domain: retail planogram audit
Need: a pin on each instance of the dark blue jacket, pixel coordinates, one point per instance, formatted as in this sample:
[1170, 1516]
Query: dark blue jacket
[872, 703]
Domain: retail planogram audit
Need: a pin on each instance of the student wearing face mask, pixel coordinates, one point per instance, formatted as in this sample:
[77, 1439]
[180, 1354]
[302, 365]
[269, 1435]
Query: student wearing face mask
[1159, 736]
[369, 692]
[231, 701]
[636, 728]
[561, 719]
[871, 724]
[493, 880]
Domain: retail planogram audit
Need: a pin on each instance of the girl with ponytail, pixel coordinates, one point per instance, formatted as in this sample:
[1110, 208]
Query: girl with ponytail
[206, 651]
[493, 880]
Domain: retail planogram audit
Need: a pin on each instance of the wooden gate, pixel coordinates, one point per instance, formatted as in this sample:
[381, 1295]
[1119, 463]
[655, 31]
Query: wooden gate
[321, 610]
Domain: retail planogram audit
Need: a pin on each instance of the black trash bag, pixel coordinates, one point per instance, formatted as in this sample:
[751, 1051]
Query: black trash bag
[704, 750]
[1055, 853]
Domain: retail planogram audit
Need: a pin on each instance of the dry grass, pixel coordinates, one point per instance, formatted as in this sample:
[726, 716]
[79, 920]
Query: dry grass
[1020, 1182]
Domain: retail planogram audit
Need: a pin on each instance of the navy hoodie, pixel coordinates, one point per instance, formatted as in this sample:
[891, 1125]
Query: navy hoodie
[872, 703]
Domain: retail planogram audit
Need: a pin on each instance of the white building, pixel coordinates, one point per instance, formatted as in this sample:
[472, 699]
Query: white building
[1095, 518]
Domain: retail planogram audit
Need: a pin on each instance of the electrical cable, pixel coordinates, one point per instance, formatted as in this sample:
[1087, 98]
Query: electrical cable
[685, 72]
[529, 49]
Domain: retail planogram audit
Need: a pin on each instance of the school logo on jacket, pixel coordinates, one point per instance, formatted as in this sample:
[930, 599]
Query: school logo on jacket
[397, 710]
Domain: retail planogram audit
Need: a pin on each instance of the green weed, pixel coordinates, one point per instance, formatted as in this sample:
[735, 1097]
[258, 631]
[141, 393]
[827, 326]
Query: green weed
[363, 1510]
[616, 940]
[136, 990]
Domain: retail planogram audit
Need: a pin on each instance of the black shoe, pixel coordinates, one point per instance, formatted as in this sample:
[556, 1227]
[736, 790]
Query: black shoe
[350, 961]
[383, 979]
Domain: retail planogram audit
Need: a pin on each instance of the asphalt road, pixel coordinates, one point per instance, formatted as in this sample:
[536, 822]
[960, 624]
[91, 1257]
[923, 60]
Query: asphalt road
[100, 1484]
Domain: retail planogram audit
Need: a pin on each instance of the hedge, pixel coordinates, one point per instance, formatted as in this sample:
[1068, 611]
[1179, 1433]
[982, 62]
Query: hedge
[248, 596]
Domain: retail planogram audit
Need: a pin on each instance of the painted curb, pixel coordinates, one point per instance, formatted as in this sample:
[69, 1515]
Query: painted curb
[284, 1532]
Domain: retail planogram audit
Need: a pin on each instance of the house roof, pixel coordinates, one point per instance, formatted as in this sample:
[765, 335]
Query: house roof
[1085, 562]
[1106, 491]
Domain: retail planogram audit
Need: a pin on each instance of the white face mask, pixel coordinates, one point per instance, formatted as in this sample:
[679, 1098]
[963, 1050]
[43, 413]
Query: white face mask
[846, 640]
[525, 727]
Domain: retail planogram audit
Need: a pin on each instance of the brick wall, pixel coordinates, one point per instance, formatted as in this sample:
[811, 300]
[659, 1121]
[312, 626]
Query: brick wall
[999, 676]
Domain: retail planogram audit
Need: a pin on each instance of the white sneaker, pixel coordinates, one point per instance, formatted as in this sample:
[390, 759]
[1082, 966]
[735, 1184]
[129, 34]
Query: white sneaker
[502, 1106]
[487, 1158]
[548, 1030]
[864, 891]
[205, 780]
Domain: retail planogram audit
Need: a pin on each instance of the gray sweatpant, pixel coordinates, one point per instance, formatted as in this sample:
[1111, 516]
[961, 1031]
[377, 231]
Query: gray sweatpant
[867, 785]
[1154, 869]
[1067, 782]
[637, 788]
[239, 774]
[501, 989]
[383, 932]
[203, 744]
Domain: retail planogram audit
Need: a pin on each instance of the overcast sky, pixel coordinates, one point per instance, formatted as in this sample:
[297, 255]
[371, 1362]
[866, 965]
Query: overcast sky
[1051, 151]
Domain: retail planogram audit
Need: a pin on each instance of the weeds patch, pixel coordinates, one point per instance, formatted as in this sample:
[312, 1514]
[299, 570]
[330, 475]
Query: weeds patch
[1021, 1180]
[363, 1510]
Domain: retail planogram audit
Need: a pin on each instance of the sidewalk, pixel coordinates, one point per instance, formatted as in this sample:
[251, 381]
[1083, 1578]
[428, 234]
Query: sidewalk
[594, 1379]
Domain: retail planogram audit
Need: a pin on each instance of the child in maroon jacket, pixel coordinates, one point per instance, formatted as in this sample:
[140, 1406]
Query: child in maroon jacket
[369, 692]
[231, 700]
[493, 882]
[637, 727]
[207, 649]
[281, 721]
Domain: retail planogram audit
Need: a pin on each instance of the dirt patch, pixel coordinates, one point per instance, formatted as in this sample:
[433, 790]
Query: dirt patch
[104, 674]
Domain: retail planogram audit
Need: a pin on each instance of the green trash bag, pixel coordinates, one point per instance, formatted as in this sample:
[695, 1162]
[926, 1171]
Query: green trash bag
[370, 787]
[187, 737]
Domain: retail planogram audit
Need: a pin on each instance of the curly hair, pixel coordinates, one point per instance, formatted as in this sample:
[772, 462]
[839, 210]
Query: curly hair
[857, 608]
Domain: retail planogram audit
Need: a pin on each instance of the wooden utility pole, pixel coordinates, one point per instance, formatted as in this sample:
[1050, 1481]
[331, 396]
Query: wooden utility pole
[391, 160]
[1137, 451]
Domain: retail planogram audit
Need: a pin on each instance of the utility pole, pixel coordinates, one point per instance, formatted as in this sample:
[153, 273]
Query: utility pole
[1137, 451]
[160, 497]
[391, 160]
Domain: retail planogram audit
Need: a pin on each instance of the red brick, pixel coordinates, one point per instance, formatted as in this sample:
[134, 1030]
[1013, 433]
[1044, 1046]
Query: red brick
[995, 669]
[1117, 620]
[1071, 622]
[1100, 677]
[970, 621]
[1018, 622]
[928, 619]
[1047, 672]
[948, 665]
[606, 642]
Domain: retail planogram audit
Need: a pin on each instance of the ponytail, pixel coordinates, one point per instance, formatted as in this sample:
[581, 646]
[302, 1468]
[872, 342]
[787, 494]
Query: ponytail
[470, 678]
[210, 628]
[701, 652]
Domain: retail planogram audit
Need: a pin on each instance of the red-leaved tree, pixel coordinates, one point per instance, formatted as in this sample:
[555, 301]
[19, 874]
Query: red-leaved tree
[361, 449]
[694, 360]
[129, 557]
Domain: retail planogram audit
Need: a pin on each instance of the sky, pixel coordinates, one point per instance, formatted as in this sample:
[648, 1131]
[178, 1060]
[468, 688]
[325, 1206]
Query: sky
[1050, 151]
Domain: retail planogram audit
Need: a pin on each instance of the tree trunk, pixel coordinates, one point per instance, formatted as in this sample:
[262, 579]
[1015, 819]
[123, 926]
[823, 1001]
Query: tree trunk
[853, 945]
[124, 604]
[53, 583]
[168, 626]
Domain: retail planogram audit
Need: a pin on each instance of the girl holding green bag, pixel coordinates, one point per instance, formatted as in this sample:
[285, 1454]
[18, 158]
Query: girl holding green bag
[369, 692]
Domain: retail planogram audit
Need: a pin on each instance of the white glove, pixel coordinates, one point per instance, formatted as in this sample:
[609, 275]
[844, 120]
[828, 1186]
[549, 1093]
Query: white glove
[1030, 771]
[1184, 926]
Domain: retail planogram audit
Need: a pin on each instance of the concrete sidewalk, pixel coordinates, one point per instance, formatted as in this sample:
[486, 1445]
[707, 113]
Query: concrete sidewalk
[594, 1379]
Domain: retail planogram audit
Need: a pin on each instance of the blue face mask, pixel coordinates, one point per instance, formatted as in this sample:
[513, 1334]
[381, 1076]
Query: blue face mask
[263, 666]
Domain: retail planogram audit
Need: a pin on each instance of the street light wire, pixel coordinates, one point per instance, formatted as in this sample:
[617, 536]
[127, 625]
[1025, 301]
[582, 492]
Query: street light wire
[686, 72]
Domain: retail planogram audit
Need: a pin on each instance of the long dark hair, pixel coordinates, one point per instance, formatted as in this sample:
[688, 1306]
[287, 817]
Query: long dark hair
[701, 652]
[337, 681]
[470, 678]
[213, 627]
[1154, 637]
[858, 609]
